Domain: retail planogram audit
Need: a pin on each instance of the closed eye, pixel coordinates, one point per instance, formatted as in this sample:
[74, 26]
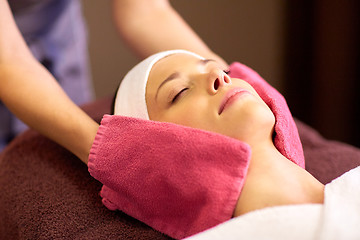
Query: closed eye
[178, 95]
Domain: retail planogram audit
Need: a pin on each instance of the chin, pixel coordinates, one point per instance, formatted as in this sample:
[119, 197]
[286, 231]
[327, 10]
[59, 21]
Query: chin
[252, 125]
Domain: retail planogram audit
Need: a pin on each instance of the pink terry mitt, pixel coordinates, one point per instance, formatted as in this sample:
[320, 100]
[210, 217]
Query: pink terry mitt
[287, 139]
[178, 180]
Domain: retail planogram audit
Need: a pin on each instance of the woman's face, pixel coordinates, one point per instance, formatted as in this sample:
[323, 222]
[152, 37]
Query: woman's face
[185, 90]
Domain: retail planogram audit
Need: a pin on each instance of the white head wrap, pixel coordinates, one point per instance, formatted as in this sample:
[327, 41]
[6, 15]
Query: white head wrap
[130, 98]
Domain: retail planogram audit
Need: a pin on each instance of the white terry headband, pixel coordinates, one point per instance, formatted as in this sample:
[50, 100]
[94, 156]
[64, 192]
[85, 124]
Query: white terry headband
[130, 98]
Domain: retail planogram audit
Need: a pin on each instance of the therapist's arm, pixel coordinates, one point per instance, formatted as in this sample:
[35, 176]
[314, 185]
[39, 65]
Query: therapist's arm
[150, 26]
[33, 95]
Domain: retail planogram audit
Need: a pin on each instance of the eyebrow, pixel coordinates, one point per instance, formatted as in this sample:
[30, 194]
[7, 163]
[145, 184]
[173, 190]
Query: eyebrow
[205, 61]
[177, 75]
[168, 79]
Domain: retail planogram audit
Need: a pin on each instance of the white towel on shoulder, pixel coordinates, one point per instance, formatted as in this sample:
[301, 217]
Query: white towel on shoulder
[337, 218]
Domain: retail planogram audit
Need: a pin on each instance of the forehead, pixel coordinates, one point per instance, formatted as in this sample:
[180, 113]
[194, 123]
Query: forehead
[175, 60]
[166, 66]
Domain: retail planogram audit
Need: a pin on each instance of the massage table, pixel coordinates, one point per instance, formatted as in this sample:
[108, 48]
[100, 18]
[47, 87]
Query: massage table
[47, 193]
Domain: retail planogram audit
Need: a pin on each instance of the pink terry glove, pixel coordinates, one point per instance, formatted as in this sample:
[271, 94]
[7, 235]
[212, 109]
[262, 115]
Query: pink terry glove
[176, 179]
[287, 139]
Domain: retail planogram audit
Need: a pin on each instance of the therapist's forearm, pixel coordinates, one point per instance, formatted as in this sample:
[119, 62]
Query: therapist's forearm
[33, 95]
[150, 26]
[12, 45]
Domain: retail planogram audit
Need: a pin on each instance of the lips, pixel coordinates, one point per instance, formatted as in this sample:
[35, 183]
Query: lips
[230, 97]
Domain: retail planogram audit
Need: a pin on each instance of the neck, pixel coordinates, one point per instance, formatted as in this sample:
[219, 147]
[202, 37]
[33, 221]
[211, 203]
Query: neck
[273, 180]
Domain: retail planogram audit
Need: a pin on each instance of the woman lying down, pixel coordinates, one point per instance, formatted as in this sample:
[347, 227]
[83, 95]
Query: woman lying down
[241, 173]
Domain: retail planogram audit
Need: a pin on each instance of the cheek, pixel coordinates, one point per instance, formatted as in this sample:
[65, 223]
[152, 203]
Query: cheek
[189, 116]
[192, 113]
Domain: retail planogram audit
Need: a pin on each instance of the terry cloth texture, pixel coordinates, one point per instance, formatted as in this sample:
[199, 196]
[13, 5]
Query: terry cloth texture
[149, 169]
[287, 139]
[176, 179]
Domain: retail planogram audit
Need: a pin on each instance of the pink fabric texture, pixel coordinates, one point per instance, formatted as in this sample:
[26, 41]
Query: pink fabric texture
[181, 180]
[178, 180]
[287, 139]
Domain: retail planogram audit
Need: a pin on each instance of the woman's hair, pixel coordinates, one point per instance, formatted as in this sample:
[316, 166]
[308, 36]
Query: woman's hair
[112, 110]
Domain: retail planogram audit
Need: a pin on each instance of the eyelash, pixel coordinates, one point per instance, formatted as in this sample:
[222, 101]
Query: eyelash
[184, 89]
[178, 94]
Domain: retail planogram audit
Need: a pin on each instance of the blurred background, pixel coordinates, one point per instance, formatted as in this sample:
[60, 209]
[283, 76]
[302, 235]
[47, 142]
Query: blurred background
[308, 50]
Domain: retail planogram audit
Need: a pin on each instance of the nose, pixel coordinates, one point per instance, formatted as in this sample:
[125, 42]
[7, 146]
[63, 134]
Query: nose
[217, 79]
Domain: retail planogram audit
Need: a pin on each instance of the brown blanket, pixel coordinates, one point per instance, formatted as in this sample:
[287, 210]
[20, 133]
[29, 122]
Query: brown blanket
[47, 193]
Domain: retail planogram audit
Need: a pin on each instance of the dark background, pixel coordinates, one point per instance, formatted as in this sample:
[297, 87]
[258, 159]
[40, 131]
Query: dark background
[322, 66]
[308, 50]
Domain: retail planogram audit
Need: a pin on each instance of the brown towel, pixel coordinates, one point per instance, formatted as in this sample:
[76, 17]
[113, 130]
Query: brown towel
[326, 159]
